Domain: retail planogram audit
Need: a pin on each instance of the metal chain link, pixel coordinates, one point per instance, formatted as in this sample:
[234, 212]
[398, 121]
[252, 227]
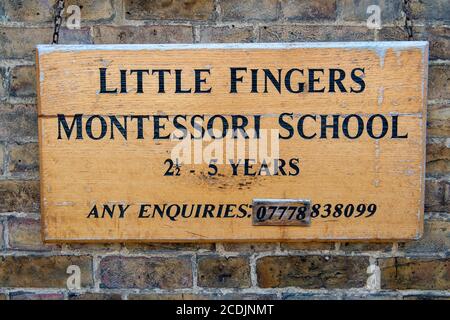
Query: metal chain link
[58, 21]
[408, 19]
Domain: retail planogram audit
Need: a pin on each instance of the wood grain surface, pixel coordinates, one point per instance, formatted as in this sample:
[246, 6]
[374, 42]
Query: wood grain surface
[78, 174]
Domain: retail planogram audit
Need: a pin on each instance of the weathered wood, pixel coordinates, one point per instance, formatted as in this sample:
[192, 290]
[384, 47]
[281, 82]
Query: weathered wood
[78, 174]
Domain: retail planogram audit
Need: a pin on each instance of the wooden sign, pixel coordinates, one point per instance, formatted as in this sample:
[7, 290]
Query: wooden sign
[232, 142]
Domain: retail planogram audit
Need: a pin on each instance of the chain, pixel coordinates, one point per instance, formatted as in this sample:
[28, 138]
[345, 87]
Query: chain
[58, 20]
[408, 19]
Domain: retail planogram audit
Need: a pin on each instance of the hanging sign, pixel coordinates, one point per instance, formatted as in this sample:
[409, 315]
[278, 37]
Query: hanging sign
[232, 142]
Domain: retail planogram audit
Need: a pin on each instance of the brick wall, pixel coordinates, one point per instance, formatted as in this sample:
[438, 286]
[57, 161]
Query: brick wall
[32, 270]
